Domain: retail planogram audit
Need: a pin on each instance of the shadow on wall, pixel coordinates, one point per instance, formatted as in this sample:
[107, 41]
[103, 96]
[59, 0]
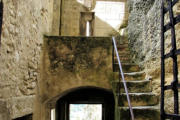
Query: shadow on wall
[102, 28]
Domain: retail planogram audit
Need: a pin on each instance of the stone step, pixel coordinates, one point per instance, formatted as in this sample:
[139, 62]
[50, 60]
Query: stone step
[124, 56]
[124, 52]
[122, 40]
[131, 76]
[123, 45]
[122, 48]
[4, 112]
[140, 113]
[138, 99]
[127, 67]
[133, 86]
[123, 59]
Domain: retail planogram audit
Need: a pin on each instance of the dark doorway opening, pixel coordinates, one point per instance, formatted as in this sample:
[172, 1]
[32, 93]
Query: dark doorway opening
[26, 117]
[88, 96]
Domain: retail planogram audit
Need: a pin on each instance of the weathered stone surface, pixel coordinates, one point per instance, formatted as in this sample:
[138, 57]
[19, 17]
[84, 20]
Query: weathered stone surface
[4, 112]
[144, 29]
[144, 39]
[132, 76]
[24, 23]
[127, 67]
[72, 62]
[139, 99]
[138, 86]
[140, 113]
[144, 34]
[21, 106]
[133, 86]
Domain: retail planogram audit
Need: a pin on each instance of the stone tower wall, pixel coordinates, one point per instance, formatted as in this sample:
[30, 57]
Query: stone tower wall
[24, 23]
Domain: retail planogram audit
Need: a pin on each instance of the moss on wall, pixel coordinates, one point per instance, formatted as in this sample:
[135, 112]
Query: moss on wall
[71, 62]
[73, 54]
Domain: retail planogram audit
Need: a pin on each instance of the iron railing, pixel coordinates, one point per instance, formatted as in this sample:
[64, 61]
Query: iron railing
[122, 75]
[174, 52]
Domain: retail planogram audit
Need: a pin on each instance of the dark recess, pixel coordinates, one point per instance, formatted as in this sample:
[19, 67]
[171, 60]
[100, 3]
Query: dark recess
[1, 18]
[27, 117]
[88, 95]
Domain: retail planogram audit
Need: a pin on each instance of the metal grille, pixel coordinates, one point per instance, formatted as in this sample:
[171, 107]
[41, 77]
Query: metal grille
[174, 52]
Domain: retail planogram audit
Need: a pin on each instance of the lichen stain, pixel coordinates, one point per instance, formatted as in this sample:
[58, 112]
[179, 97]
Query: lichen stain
[76, 61]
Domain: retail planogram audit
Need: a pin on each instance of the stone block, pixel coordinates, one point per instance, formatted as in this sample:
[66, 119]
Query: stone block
[20, 106]
[4, 112]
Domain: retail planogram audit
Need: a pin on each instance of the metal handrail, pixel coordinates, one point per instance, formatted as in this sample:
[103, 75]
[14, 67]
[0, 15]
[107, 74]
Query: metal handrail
[123, 80]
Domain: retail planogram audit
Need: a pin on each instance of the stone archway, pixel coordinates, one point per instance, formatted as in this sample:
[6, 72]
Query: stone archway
[86, 95]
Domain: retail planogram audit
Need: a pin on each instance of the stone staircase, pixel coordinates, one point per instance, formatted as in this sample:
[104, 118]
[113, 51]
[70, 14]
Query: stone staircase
[144, 102]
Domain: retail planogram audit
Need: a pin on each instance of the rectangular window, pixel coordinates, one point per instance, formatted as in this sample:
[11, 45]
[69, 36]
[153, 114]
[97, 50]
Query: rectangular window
[52, 114]
[87, 28]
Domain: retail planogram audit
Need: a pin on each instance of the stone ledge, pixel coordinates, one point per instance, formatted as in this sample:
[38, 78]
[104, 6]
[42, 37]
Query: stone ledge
[20, 106]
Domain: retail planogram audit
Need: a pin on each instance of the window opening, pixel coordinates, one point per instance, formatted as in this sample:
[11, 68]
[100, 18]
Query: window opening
[88, 28]
[53, 114]
[85, 111]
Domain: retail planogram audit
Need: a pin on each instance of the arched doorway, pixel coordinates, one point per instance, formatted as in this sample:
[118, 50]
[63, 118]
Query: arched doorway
[86, 95]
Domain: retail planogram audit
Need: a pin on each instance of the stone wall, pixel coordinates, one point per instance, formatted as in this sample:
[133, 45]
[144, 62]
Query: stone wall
[144, 30]
[24, 23]
[69, 63]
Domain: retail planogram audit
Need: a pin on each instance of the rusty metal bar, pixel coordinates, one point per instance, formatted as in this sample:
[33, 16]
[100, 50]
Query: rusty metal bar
[123, 79]
[162, 63]
[173, 3]
[176, 52]
[169, 116]
[168, 26]
[174, 57]
[168, 87]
